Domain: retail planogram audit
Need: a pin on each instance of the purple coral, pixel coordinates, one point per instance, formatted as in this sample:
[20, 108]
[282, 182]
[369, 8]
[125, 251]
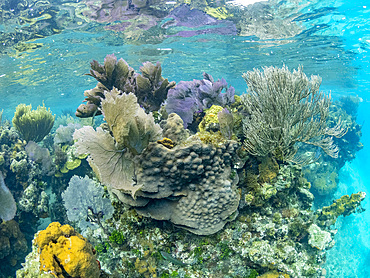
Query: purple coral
[181, 100]
[191, 96]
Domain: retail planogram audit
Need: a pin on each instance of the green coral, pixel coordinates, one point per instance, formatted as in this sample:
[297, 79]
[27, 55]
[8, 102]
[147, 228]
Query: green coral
[33, 125]
[345, 206]
[117, 237]
[102, 248]
[72, 162]
[213, 138]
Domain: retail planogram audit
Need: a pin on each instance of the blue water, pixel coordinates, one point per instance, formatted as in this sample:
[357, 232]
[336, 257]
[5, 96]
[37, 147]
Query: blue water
[333, 41]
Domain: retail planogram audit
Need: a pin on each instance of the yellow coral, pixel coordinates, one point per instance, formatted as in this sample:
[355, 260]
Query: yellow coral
[168, 143]
[63, 249]
[211, 117]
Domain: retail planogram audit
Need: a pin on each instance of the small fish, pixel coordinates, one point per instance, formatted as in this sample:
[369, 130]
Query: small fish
[171, 259]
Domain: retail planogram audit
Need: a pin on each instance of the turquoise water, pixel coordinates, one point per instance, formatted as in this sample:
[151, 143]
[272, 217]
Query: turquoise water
[329, 38]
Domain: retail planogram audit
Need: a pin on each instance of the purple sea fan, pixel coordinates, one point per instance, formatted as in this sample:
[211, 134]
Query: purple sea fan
[181, 100]
[191, 96]
[210, 92]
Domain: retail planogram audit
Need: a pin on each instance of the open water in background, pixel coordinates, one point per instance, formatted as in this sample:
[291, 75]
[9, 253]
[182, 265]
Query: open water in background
[334, 42]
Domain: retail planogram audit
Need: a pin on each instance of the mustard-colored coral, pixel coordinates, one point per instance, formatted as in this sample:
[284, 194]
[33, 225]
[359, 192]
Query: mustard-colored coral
[63, 250]
[167, 143]
[214, 138]
[146, 266]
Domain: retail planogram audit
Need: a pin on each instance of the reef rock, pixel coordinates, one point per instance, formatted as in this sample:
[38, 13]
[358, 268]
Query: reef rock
[192, 186]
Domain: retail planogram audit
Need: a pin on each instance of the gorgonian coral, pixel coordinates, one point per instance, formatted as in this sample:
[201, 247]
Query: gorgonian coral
[191, 96]
[284, 108]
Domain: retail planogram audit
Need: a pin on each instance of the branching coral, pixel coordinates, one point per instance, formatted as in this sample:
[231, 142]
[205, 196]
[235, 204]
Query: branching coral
[33, 125]
[285, 108]
[345, 206]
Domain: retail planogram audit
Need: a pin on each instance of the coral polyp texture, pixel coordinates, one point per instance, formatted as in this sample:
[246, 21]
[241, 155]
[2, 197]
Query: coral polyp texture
[59, 251]
[191, 186]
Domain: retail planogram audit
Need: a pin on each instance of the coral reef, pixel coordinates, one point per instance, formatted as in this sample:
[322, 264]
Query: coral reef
[131, 136]
[34, 200]
[60, 251]
[66, 161]
[183, 202]
[345, 206]
[25, 173]
[323, 173]
[33, 125]
[279, 237]
[141, 169]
